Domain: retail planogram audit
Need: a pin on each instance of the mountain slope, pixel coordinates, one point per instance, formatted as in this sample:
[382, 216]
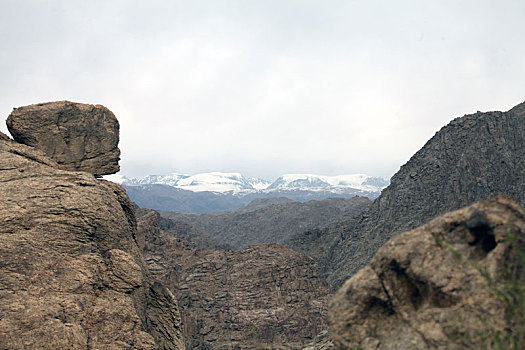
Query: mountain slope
[272, 223]
[473, 158]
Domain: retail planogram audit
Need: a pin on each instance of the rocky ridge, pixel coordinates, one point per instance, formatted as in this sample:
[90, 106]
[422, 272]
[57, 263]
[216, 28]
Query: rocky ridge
[71, 273]
[453, 283]
[265, 221]
[475, 157]
[265, 296]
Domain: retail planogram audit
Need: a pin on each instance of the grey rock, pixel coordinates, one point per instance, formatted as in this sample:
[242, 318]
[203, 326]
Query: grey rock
[274, 222]
[440, 286]
[473, 158]
[79, 137]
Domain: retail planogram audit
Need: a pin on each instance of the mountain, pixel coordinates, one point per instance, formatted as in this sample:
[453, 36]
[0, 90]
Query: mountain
[216, 192]
[236, 183]
[216, 182]
[272, 220]
[474, 157]
[332, 183]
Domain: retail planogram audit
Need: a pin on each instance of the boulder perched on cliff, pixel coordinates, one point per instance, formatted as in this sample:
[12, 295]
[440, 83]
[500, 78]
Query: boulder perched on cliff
[264, 297]
[71, 273]
[457, 282]
[79, 137]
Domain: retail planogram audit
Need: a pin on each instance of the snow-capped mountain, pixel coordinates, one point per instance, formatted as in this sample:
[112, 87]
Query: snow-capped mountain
[331, 183]
[237, 184]
[216, 191]
[215, 182]
[212, 182]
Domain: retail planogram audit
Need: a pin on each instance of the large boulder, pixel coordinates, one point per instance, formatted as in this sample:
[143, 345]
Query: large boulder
[79, 137]
[456, 282]
[71, 273]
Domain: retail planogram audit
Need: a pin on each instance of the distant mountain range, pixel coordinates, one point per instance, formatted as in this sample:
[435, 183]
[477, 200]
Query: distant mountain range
[217, 191]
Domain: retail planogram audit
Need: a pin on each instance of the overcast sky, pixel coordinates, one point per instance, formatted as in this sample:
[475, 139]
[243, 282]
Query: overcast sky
[266, 87]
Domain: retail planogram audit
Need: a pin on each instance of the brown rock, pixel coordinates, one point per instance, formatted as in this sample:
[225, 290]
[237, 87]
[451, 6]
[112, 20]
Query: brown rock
[71, 273]
[437, 286]
[265, 296]
[4, 137]
[79, 137]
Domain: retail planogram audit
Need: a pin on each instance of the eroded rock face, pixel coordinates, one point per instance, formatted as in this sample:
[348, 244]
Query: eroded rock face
[71, 273]
[426, 288]
[264, 296]
[475, 157]
[79, 137]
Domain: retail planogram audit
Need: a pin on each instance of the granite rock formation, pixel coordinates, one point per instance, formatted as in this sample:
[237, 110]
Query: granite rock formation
[266, 296]
[71, 273]
[273, 222]
[79, 137]
[453, 283]
[473, 158]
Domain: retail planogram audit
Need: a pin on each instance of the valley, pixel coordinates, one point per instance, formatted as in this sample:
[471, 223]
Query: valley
[82, 266]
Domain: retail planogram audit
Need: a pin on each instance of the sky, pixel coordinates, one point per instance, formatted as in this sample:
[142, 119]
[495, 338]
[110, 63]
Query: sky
[266, 87]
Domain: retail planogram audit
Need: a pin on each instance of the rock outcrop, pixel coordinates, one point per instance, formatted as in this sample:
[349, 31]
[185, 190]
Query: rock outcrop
[71, 273]
[266, 296]
[456, 282]
[473, 158]
[79, 137]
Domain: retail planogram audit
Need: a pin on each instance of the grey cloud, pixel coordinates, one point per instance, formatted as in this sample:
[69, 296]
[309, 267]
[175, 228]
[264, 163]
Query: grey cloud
[267, 87]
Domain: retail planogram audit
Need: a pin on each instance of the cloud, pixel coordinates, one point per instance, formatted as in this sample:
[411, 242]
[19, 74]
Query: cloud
[266, 87]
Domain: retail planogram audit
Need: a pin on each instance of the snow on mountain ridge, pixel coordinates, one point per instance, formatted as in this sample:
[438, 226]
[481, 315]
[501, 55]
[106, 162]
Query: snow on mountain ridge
[215, 182]
[321, 182]
[237, 184]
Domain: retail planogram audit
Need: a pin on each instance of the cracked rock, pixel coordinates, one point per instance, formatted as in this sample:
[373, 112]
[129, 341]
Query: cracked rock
[79, 137]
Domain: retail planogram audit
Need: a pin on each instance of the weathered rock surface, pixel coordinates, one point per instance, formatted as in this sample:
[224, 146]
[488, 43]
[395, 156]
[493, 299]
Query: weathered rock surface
[184, 231]
[429, 288]
[79, 137]
[266, 296]
[4, 137]
[272, 223]
[71, 273]
[473, 158]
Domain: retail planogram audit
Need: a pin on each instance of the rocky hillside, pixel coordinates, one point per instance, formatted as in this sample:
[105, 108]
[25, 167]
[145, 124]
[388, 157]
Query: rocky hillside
[456, 282]
[473, 158]
[266, 296]
[168, 198]
[187, 232]
[265, 221]
[71, 273]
